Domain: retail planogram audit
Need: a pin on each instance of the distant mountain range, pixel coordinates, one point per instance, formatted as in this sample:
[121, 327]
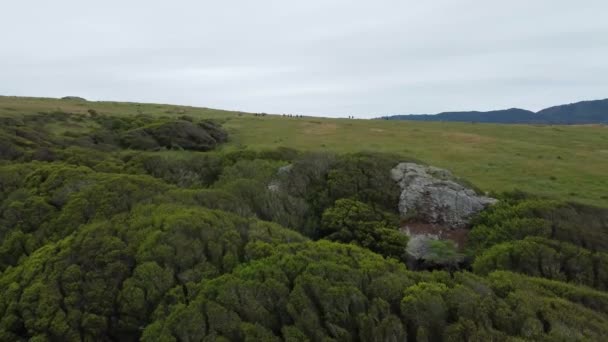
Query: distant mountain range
[586, 112]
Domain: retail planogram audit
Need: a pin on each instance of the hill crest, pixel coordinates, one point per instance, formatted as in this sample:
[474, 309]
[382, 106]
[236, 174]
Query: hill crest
[584, 112]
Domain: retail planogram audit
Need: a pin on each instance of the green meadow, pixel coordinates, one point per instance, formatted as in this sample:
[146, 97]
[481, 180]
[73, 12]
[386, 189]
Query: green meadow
[564, 162]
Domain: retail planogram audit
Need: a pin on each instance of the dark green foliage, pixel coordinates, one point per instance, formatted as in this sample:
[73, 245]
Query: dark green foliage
[443, 252]
[117, 228]
[12, 177]
[174, 134]
[518, 216]
[314, 181]
[353, 221]
[200, 170]
[108, 279]
[44, 136]
[9, 149]
[365, 177]
[311, 291]
[208, 198]
[548, 259]
[321, 291]
[56, 199]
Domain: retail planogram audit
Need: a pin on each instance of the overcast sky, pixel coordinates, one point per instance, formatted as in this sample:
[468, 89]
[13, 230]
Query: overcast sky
[318, 57]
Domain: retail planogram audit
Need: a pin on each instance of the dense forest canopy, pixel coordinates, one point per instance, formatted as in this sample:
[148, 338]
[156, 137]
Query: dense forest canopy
[125, 228]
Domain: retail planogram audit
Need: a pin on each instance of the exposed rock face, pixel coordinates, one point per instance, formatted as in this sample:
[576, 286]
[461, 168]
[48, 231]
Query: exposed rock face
[431, 194]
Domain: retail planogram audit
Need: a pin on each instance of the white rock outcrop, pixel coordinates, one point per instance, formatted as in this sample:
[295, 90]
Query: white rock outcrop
[431, 194]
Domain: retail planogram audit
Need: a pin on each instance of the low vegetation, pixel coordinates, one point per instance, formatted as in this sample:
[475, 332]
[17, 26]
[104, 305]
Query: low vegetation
[157, 226]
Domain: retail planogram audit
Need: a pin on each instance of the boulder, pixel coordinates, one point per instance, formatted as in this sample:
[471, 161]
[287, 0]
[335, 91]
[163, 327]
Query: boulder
[433, 195]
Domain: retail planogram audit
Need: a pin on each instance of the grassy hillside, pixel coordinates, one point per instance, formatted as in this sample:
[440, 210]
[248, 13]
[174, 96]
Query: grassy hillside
[127, 222]
[565, 162]
[585, 112]
[568, 162]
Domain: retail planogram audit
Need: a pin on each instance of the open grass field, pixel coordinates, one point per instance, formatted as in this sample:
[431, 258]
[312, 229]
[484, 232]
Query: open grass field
[568, 162]
[565, 162]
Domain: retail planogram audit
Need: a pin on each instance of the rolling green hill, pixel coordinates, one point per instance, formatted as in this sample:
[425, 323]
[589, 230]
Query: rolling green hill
[144, 222]
[565, 162]
[584, 112]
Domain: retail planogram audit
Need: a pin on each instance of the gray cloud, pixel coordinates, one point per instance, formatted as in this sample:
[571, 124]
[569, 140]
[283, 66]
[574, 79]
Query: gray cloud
[331, 58]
